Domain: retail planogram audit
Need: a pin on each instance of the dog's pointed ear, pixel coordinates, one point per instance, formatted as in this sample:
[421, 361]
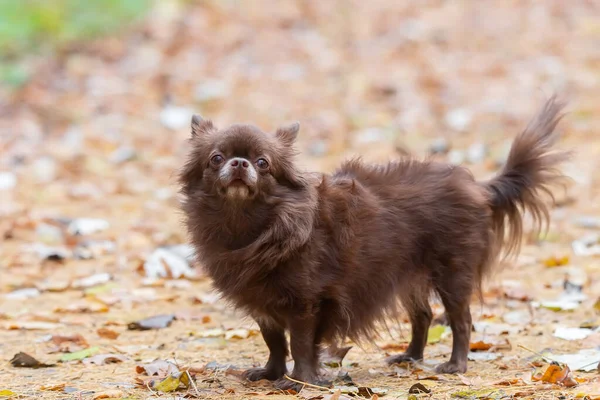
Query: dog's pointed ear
[201, 126]
[287, 134]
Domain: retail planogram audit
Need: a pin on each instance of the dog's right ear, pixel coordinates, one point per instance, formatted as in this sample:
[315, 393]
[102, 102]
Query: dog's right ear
[201, 126]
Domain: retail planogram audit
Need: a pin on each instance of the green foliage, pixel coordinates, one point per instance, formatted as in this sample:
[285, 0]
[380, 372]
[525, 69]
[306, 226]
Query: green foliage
[27, 24]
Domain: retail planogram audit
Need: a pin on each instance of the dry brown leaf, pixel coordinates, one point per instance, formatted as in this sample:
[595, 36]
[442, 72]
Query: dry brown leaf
[394, 346]
[54, 387]
[109, 394]
[102, 359]
[480, 346]
[509, 382]
[107, 333]
[557, 374]
[76, 339]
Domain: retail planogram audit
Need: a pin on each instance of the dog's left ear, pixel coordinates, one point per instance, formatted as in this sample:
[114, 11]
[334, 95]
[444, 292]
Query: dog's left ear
[201, 126]
[287, 134]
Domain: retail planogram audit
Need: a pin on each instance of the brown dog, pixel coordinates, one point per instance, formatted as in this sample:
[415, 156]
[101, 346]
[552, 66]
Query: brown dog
[325, 257]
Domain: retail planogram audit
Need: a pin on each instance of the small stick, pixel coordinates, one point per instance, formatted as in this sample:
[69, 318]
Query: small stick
[306, 383]
[193, 383]
[536, 353]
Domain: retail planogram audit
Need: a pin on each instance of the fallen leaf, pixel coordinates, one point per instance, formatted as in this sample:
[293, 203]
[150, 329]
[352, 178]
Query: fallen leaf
[476, 394]
[158, 367]
[90, 281]
[57, 387]
[211, 333]
[172, 382]
[516, 293]
[83, 307]
[483, 356]
[109, 394]
[509, 382]
[102, 359]
[77, 339]
[7, 393]
[556, 261]
[23, 360]
[156, 322]
[492, 328]
[558, 305]
[87, 226]
[240, 333]
[395, 346]
[418, 388]
[107, 333]
[557, 374]
[333, 355]
[436, 333]
[31, 325]
[79, 355]
[165, 263]
[336, 395]
[585, 360]
[480, 346]
[23, 294]
[53, 286]
[369, 392]
[572, 333]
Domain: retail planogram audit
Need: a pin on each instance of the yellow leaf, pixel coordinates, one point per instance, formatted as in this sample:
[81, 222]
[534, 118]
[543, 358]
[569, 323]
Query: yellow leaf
[172, 382]
[435, 333]
[7, 393]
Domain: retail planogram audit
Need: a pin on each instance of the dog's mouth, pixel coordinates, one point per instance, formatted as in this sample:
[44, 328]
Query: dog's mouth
[239, 188]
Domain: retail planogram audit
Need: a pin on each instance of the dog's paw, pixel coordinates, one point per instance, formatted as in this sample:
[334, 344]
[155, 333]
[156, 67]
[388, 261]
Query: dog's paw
[256, 374]
[451, 367]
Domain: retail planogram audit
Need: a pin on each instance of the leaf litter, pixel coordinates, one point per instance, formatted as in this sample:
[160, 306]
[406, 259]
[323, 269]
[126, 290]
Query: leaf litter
[91, 241]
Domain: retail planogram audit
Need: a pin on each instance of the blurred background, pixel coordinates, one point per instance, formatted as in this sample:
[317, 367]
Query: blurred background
[96, 98]
[98, 94]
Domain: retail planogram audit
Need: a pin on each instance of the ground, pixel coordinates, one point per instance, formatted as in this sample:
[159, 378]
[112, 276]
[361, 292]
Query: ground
[92, 140]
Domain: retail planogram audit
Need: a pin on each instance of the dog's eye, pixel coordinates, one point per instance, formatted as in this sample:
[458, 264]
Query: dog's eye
[216, 159]
[262, 163]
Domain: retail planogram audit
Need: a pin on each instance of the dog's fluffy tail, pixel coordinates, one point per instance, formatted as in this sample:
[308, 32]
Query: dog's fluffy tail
[530, 172]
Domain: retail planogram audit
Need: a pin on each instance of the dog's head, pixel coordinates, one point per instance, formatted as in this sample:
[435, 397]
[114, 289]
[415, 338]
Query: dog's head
[240, 163]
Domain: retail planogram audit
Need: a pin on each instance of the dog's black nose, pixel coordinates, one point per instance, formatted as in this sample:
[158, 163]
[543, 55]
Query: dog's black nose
[239, 162]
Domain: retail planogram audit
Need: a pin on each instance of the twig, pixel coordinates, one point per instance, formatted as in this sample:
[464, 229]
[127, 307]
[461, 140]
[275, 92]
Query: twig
[150, 389]
[536, 353]
[193, 383]
[306, 383]
[592, 363]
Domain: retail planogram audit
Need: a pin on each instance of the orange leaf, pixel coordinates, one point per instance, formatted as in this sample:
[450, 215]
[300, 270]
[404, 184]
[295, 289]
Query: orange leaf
[107, 333]
[480, 345]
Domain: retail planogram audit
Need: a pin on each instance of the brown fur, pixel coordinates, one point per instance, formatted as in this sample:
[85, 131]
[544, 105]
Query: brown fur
[326, 257]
